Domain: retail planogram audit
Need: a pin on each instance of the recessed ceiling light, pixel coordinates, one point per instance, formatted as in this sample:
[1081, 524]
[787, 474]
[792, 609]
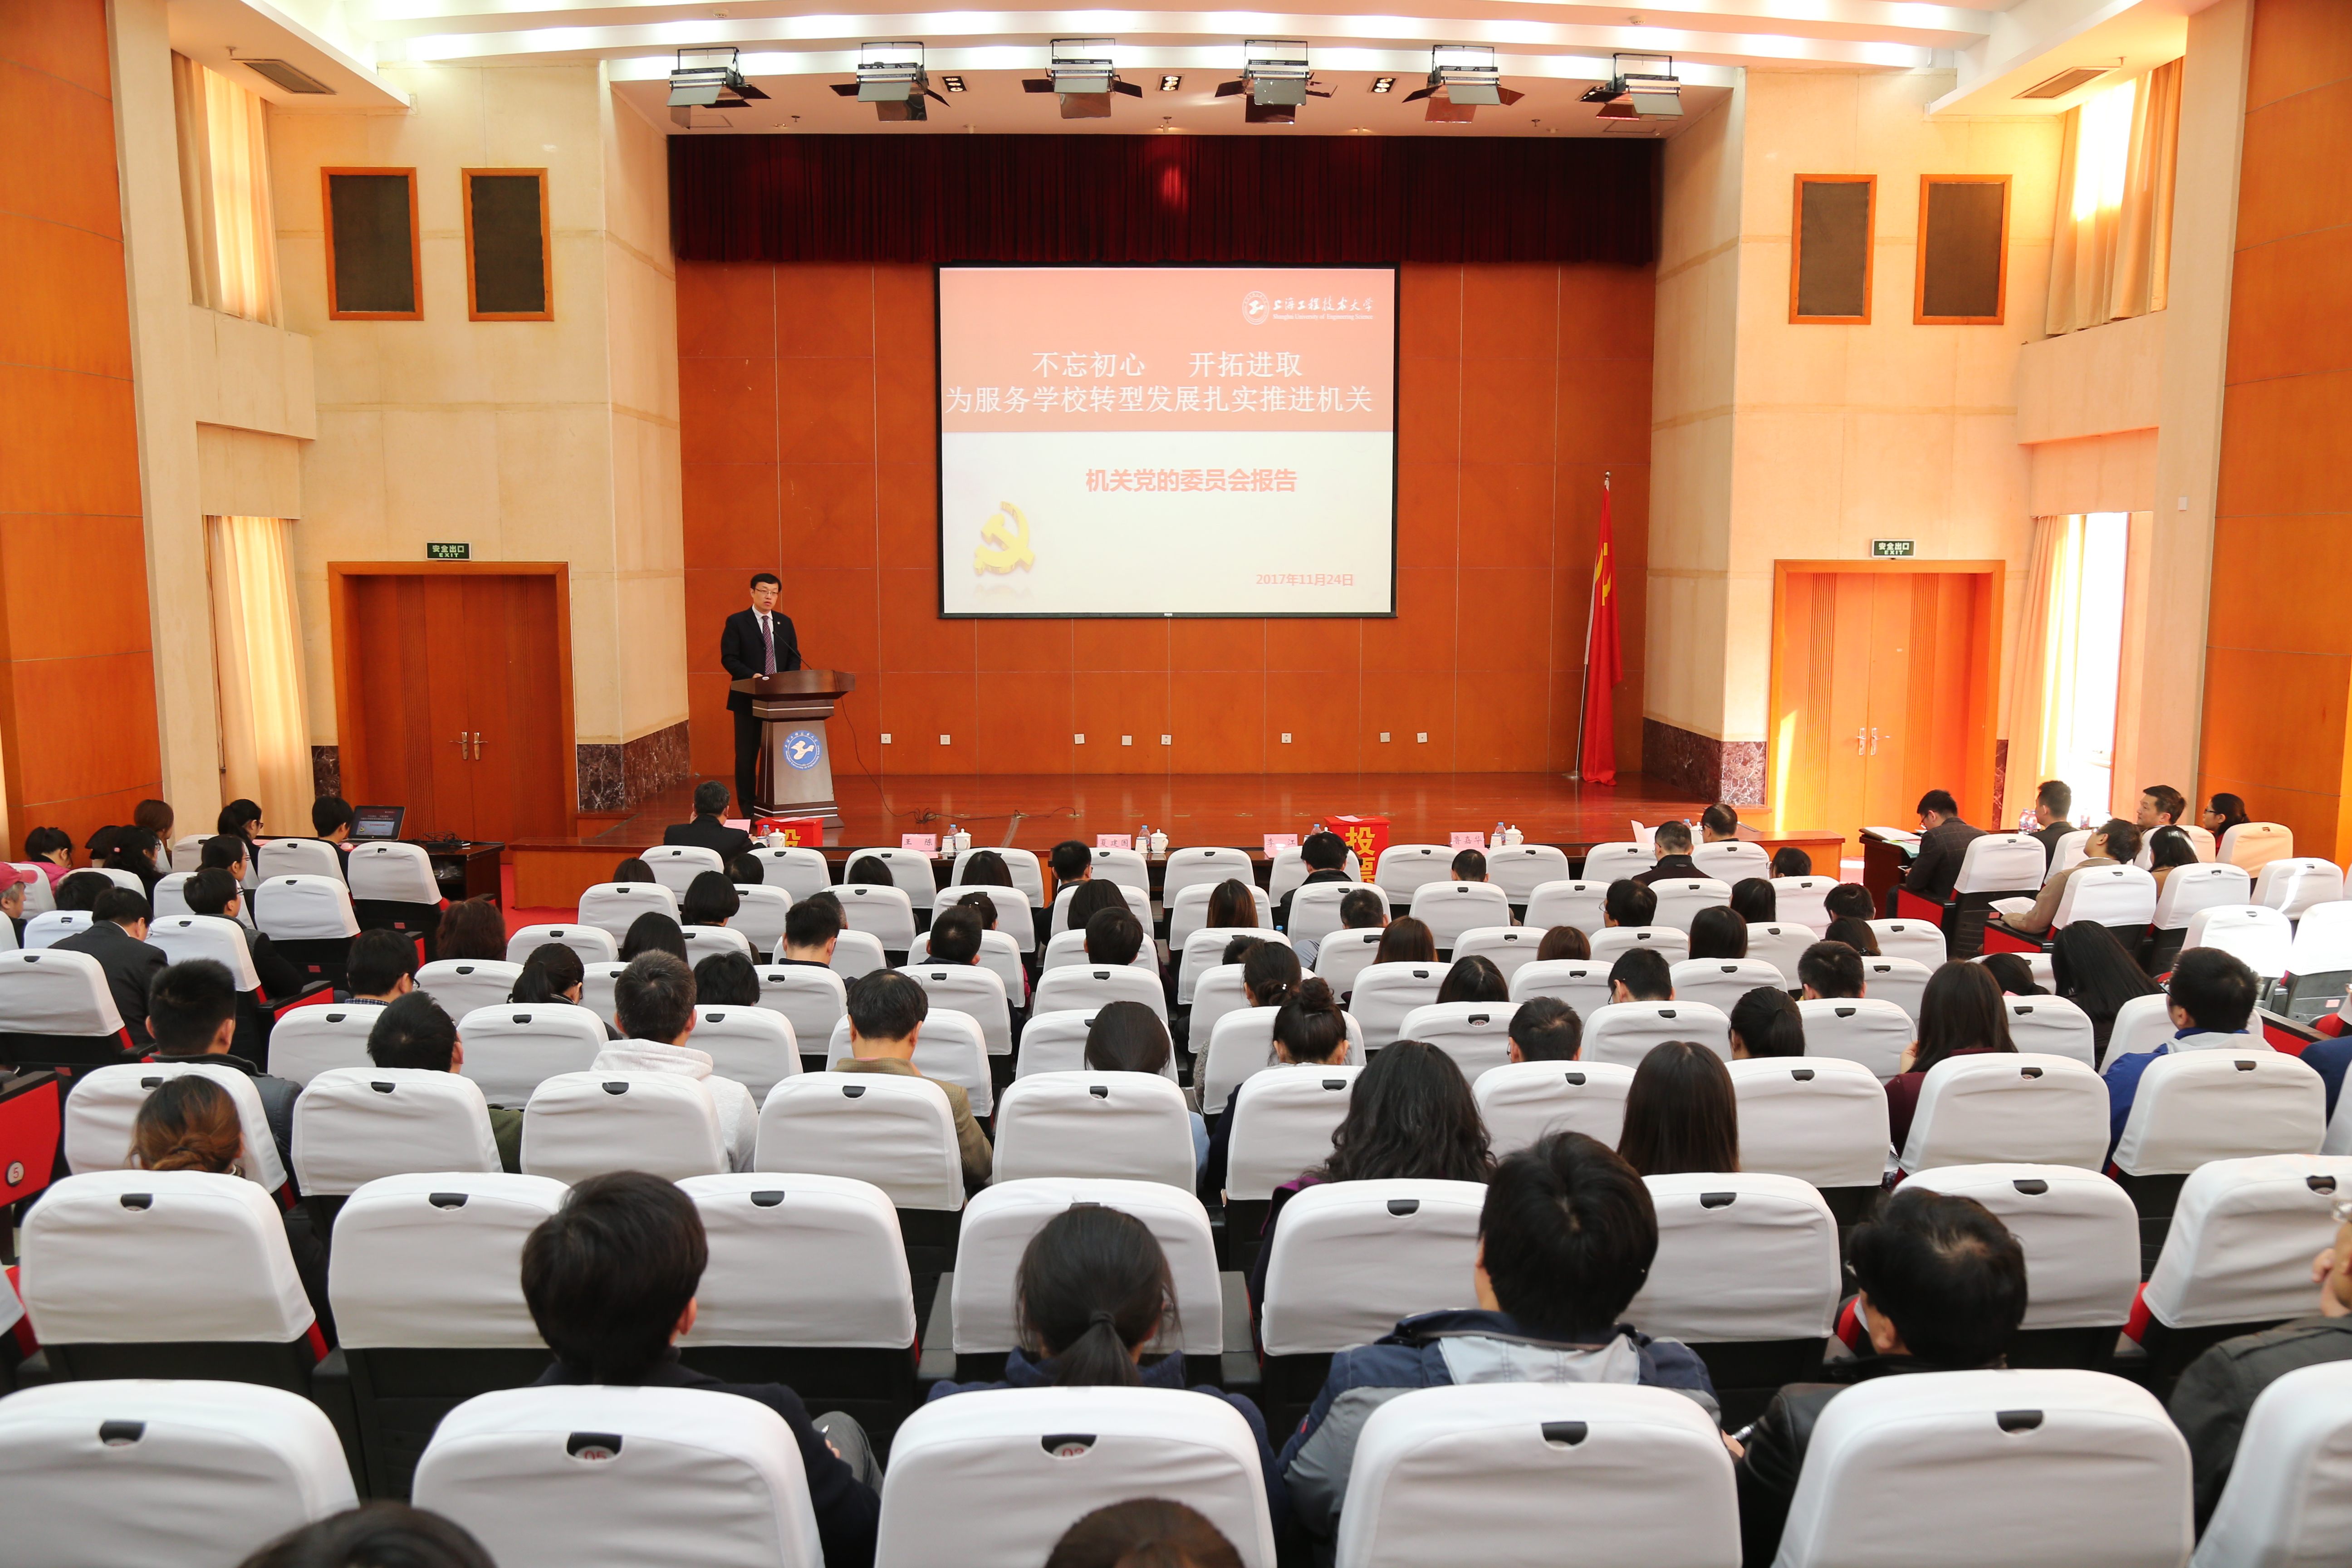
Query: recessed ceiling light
[1384, 83]
[952, 83]
[1170, 82]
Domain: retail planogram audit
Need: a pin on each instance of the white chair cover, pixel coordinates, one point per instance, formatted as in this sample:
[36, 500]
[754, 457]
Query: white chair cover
[1089, 987]
[753, 1046]
[353, 1125]
[1610, 942]
[1567, 901]
[1288, 870]
[1242, 1045]
[1187, 909]
[886, 914]
[594, 944]
[1344, 956]
[1680, 898]
[1772, 1233]
[1198, 864]
[1476, 1035]
[104, 1105]
[1897, 980]
[702, 942]
[2119, 896]
[2051, 1027]
[298, 858]
[1520, 868]
[2255, 845]
[1128, 1125]
[309, 1040]
[2220, 1103]
[2001, 863]
[1625, 1032]
[304, 908]
[1385, 992]
[1138, 904]
[1449, 908]
[1607, 863]
[2003, 1107]
[2289, 1496]
[1509, 948]
[1780, 943]
[1315, 910]
[1522, 1102]
[759, 915]
[53, 926]
[462, 985]
[1819, 1119]
[184, 937]
[676, 865]
[2243, 1236]
[1204, 950]
[613, 907]
[1350, 1258]
[513, 1049]
[1403, 869]
[2260, 936]
[798, 871]
[801, 1260]
[1720, 983]
[1917, 941]
[949, 1050]
[2078, 1229]
[2188, 888]
[1865, 1029]
[1732, 860]
[895, 1133]
[1016, 911]
[433, 1260]
[2293, 886]
[581, 1124]
[392, 873]
[812, 999]
[979, 992]
[1282, 1126]
[1581, 982]
[1067, 950]
[171, 898]
[1801, 900]
[999, 1223]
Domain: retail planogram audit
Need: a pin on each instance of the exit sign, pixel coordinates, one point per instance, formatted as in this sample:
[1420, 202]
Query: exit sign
[449, 551]
[1891, 547]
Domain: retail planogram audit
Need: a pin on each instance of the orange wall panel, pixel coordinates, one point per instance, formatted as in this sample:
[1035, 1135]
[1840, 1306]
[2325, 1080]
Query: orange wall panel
[808, 433]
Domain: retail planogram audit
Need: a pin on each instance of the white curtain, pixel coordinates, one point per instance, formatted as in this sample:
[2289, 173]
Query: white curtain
[2111, 249]
[224, 191]
[2041, 672]
[257, 658]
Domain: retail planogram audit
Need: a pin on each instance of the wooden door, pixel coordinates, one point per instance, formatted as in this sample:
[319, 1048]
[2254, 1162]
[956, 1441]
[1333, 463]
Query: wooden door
[518, 722]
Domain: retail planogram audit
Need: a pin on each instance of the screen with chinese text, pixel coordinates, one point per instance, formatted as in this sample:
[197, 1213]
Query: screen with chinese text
[1167, 441]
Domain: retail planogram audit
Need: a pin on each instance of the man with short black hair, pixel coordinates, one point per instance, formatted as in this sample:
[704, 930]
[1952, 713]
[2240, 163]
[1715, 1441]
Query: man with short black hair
[1546, 1030]
[1628, 903]
[1362, 909]
[1565, 1240]
[213, 891]
[2115, 844]
[1469, 865]
[117, 937]
[1944, 842]
[413, 1032]
[2209, 997]
[1672, 845]
[611, 1278]
[1830, 970]
[954, 936]
[812, 931]
[2160, 806]
[382, 967]
[1072, 862]
[1640, 974]
[886, 1016]
[1849, 900]
[330, 821]
[81, 890]
[2051, 803]
[1942, 1289]
[755, 641]
[707, 831]
[1718, 823]
[745, 871]
[1113, 936]
[652, 1005]
[192, 1009]
[1324, 855]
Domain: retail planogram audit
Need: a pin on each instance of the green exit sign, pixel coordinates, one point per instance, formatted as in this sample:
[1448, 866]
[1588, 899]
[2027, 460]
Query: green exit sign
[450, 551]
[1884, 548]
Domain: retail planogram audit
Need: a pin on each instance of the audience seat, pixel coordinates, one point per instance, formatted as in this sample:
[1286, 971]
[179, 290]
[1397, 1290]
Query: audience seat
[1680, 898]
[1799, 899]
[1139, 903]
[38, 897]
[1918, 941]
[1508, 948]
[1057, 1042]
[188, 851]
[1567, 902]
[1869, 1030]
[968, 988]
[2082, 1249]
[1521, 1102]
[1450, 909]
[676, 865]
[1218, 992]
[1093, 987]
[951, 1049]
[154, 1474]
[2292, 886]
[1385, 992]
[705, 941]
[993, 1478]
[1520, 868]
[1476, 1035]
[998, 1225]
[886, 915]
[1625, 1032]
[1350, 1258]
[1403, 869]
[1820, 1119]
[2143, 1023]
[296, 857]
[176, 1274]
[1994, 865]
[800, 872]
[215, 937]
[1607, 863]
[1582, 983]
[597, 982]
[2073, 850]
[759, 915]
[1288, 870]
[1282, 1125]
[1315, 910]
[1188, 910]
[613, 907]
[2003, 1107]
[1128, 867]
[565, 1476]
[2318, 963]
[1068, 949]
[910, 869]
[859, 953]
[807, 1286]
[2255, 845]
[1199, 864]
[462, 985]
[2289, 1494]
[394, 889]
[1129, 1125]
[355, 1124]
[309, 920]
[1017, 914]
[1344, 956]
[1720, 983]
[811, 999]
[2051, 1027]
[1774, 1236]
[2260, 937]
[308, 1040]
[104, 1105]
[895, 1133]
[2088, 1472]
[2188, 888]
[2219, 1103]
[171, 898]
[1897, 980]
[753, 1046]
[2121, 896]
[593, 943]
[1000, 954]
[53, 926]
[1241, 1046]
[1027, 872]
[513, 1049]
[1203, 950]
[582, 1125]
[426, 1281]
[1732, 860]
[1612, 941]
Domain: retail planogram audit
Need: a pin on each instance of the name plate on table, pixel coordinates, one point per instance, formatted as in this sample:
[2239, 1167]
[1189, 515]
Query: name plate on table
[1469, 841]
[1275, 843]
[920, 843]
[1113, 840]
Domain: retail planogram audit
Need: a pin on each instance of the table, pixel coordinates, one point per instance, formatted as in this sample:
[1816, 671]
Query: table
[1883, 865]
[463, 870]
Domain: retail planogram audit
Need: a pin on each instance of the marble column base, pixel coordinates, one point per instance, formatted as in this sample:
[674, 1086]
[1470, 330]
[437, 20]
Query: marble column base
[1731, 771]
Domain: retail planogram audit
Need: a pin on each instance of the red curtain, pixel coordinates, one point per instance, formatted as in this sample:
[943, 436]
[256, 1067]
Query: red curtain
[1309, 199]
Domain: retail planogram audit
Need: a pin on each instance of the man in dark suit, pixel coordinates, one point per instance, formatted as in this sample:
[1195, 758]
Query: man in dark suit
[1324, 855]
[117, 938]
[1943, 844]
[706, 829]
[757, 641]
[1672, 844]
[2052, 801]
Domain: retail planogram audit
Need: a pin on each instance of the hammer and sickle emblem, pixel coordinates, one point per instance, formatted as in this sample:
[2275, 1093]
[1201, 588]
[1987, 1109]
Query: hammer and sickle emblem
[1008, 531]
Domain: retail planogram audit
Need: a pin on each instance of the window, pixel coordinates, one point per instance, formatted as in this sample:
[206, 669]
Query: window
[2062, 708]
[225, 193]
[2111, 248]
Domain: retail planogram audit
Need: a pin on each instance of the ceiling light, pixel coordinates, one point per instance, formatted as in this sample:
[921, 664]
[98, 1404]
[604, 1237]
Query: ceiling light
[1170, 83]
[290, 78]
[1384, 83]
[707, 78]
[952, 83]
[1080, 71]
[890, 77]
[1462, 78]
[1652, 93]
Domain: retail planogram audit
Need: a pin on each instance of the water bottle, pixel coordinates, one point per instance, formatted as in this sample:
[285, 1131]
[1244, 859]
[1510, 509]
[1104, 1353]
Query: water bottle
[951, 841]
[1317, 827]
[1496, 841]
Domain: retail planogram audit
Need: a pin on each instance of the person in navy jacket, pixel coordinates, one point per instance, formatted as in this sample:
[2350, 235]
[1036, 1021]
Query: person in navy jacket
[2211, 995]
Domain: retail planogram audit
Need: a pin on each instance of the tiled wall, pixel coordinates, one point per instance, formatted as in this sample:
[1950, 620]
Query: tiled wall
[807, 426]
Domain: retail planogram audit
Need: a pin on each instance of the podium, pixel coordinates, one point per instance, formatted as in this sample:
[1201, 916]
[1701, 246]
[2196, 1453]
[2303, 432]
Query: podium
[795, 772]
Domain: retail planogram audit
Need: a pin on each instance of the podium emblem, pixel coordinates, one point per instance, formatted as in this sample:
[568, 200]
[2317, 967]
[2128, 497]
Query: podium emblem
[801, 748]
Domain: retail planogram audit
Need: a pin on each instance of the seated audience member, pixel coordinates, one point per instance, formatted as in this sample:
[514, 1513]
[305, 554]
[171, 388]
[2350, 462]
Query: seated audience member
[1766, 1022]
[1092, 1291]
[1564, 942]
[1718, 823]
[414, 1032]
[99, 844]
[156, 817]
[1114, 936]
[709, 830]
[985, 868]
[213, 891]
[1309, 1030]
[1719, 931]
[1406, 940]
[1551, 1296]
[50, 850]
[1071, 861]
[1960, 1015]
[1944, 841]
[1469, 865]
[331, 820]
[1097, 894]
[2160, 806]
[471, 930]
[1142, 1532]
[653, 1004]
[1754, 901]
[2052, 801]
[1546, 1030]
[230, 854]
[1127, 1036]
[955, 936]
[652, 931]
[1324, 855]
[81, 891]
[1628, 903]
[2015, 975]
[192, 1011]
[1473, 979]
[2210, 1401]
[1830, 970]
[1942, 1286]
[2222, 812]
[982, 908]
[1640, 974]
[812, 930]
[117, 937]
[1270, 973]
[2116, 844]
[2211, 995]
[1857, 934]
[745, 871]
[554, 974]
[885, 1014]
[12, 900]
[725, 980]
[1848, 899]
[611, 1278]
[634, 870]
[190, 1123]
[2170, 849]
[2089, 967]
[378, 1534]
[2330, 1054]
[1792, 861]
[1410, 1114]
[1672, 845]
[1232, 903]
[1363, 909]
[868, 871]
[1680, 1115]
[241, 819]
[1238, 950]
[710, 900]
[136, 851]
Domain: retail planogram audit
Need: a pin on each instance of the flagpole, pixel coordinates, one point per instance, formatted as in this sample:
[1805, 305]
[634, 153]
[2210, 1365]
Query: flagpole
[1584, 691]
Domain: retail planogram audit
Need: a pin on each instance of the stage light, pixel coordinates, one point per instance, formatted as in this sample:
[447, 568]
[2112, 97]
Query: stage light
[1653, 94]
[1170, 83]
[952, 83]
[1277, 78]
[890, 77]
[1080, 71]
[707, 78]
[1461, 78]
[1384, 84]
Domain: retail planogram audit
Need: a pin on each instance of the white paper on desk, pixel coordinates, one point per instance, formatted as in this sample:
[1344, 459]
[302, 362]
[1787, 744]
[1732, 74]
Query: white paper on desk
[1646, 838]
[2012, 906]
[1907, 842]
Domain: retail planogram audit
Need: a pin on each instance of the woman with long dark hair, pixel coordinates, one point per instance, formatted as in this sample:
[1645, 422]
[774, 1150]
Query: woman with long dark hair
[1233, 904]
[136, 850]
[985, 868]
[1767, 1022]
[240, 819]
[2090, 968]
[1960, 1015]
[1406, 940]
[1719, 931]
[1093, 897]
[1754, 901]
[552, 974]
[2013, 975]
[652, 931]
[1473, 979]
[471, 929]
[710, 900]
[1564, 942]
[1856, 932]
[1094, 1292]
[1680, 1114]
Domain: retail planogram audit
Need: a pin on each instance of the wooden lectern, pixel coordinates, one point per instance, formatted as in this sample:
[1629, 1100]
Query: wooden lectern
[795, 774]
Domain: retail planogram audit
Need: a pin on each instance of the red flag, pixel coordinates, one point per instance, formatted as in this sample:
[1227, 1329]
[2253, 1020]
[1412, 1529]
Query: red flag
[1604, 664]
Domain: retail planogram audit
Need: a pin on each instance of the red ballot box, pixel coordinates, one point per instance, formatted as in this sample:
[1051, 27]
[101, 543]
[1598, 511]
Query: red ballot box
[800, 832]
[1367, 836]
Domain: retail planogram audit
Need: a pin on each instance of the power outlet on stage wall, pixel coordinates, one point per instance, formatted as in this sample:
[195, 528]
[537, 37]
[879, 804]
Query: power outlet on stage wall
[1126, 740]
[945, 740]
[1285, 737]
[1384, 736]
[1167, 740]
[1421, 737]
[885, 737]
[1077, 740]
